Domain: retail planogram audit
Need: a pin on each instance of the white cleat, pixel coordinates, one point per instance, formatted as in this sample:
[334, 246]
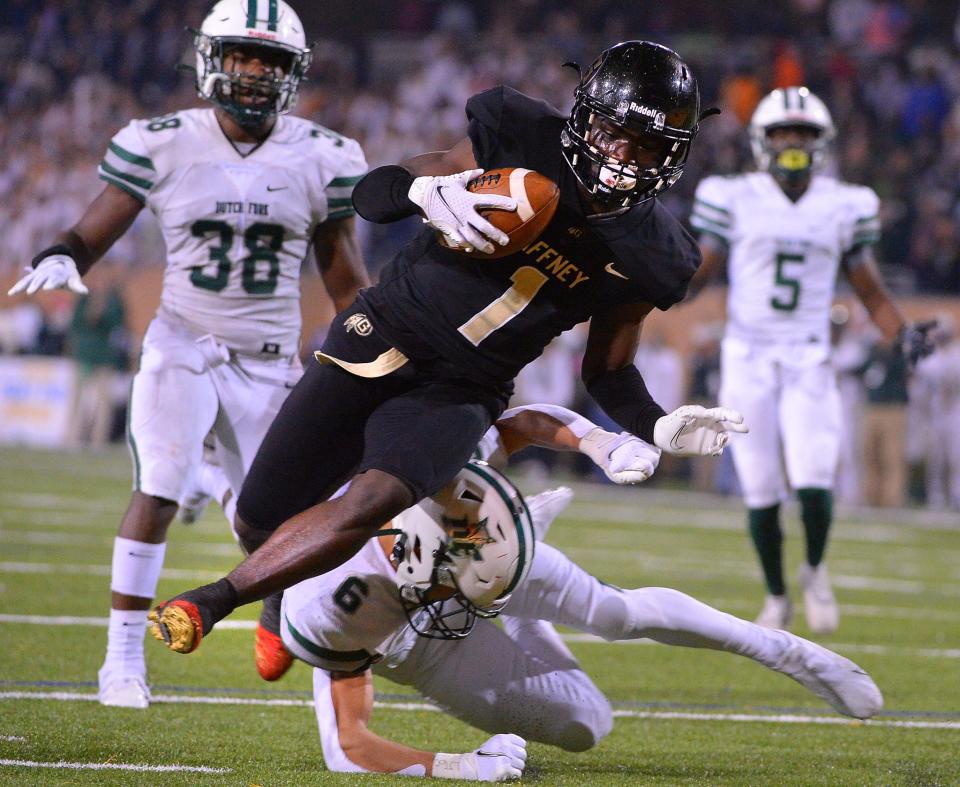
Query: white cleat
[547, 506]
[777, 612]
[819, 605]
[124, 691]
[848, 688]
[192, 505]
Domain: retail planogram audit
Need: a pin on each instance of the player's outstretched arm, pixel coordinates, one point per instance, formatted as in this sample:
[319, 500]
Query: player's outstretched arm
[340, 261]
[618, 387]
[434, 185]
[353, 747]
[61, 265]
[624, 458]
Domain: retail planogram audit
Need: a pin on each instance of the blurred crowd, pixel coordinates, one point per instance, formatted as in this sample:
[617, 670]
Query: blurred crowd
[395, 74]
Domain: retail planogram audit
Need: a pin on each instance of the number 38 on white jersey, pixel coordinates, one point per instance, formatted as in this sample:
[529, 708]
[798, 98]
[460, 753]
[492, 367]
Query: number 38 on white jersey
[236, 226]
[783, 256]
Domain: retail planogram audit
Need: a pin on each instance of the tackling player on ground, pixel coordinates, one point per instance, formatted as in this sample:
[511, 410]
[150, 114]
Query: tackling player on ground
[241, 191]
[417, 369]
[474, 551]
[784, 231]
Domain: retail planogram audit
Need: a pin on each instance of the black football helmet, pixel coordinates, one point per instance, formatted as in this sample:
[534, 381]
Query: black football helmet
[646, 90]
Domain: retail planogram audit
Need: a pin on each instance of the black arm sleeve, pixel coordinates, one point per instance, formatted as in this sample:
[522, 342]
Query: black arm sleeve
[624, 397]
[381, 196]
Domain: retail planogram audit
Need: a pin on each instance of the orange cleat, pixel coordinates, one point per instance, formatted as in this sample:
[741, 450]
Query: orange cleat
[178, 625]
[273, 659]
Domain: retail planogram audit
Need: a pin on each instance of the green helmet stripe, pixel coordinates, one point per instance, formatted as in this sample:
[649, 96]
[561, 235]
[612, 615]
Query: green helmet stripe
[272, 17]
[252, 13]
[521, 538]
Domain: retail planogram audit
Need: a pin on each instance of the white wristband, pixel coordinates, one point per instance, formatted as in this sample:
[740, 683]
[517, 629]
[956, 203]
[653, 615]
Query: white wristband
[447, 766]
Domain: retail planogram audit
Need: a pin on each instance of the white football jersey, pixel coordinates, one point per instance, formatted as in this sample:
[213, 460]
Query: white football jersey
[236, 226]
[351, 617]
[783, 255]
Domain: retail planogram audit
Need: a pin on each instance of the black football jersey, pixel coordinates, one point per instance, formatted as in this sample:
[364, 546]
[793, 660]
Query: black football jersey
[490, 318]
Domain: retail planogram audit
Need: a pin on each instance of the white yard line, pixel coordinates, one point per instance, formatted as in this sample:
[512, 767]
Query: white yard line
[76, 620]
[849, 582]
[875, 650]
[63, 696]
[13, 738]
[11, 567]
[56, 538]
[587, 639]
[114, 766]
[785, 719]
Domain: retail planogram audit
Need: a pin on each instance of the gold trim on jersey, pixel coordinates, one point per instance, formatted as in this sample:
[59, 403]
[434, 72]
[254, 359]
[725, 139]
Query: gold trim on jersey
[382, 365]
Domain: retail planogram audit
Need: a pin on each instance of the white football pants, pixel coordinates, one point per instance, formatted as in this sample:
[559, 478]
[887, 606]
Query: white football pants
[188, 385]
[792, 406]
[524, 680]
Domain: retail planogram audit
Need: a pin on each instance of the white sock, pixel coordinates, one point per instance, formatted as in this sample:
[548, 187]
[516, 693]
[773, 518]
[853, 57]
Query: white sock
[135, 572]
[125, 642]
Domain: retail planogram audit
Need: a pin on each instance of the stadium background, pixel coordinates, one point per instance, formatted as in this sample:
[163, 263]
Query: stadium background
[395, 75]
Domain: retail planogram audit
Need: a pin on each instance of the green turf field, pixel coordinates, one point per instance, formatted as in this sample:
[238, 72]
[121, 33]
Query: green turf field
[685, 716]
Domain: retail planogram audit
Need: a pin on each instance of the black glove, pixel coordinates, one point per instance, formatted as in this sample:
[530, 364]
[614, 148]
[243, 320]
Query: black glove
[915, 341]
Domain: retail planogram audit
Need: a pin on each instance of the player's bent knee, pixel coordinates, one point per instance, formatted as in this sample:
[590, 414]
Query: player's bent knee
[249, 538]
[375, 496]
[590, 724]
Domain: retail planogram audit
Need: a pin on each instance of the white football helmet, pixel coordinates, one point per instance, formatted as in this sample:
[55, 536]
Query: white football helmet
[273, 28]
[791, 106]
[461, 553]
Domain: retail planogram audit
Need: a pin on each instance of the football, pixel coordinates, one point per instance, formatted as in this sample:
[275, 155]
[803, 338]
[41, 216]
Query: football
[536, 196]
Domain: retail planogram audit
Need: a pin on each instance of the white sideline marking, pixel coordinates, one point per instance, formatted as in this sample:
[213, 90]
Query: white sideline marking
[12, 738]
[115, 766]
[588, 639]
[66, 696]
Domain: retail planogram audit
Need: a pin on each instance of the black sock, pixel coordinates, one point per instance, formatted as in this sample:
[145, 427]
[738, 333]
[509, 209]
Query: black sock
[816, 511]
[768, 540]
[270, 614]
[214, 602]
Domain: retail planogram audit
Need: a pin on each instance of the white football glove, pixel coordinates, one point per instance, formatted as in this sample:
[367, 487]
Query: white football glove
[693, 430]
[56, 272]
[501, 758]
[624, 459]
[448, 207]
